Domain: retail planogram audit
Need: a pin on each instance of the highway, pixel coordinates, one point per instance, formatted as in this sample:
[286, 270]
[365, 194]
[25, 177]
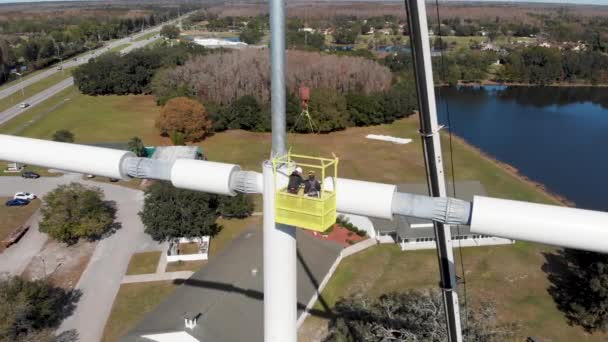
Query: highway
[55, 89]
[83, 59]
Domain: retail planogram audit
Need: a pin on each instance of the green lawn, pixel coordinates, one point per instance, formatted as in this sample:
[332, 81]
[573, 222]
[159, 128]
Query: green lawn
[510, 276]
[119, 47]
[14, 217]
[91, 118]
[193, 265]
[34, 89]
[44, 172]
[133, 302]
[143, 263]
[146, 36]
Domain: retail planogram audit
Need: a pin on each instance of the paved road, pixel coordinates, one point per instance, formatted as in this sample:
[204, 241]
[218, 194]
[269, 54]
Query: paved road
[35, 100]
[53, 90]
[102, 278]
[14, 259]
[80, 60]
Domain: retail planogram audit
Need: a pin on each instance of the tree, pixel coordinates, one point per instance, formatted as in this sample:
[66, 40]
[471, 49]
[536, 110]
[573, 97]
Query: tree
[170, 31]
[63, 135]
[579, 286]
[136, 146]
[171, 213]
[345, 35]
[185, 116]
[29, 309]
[74, 211]
[327, 109]
[408, 316]
[251, 35]
[239, 206]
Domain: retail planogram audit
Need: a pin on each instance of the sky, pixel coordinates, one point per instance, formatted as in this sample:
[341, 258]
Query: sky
[585, 2]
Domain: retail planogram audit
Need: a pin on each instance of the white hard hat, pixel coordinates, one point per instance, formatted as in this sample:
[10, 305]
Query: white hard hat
[298, 169]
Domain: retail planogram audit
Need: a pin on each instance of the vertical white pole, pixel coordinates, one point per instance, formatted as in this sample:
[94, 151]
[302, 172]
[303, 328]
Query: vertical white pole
[280, 289]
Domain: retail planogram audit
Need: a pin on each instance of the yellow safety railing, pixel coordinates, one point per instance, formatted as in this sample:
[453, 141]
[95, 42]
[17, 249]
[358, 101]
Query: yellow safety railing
[301, 210]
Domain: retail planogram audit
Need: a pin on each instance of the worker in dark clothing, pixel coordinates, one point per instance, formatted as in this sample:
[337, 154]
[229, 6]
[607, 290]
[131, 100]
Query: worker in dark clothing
[295, 181]
[312, 187]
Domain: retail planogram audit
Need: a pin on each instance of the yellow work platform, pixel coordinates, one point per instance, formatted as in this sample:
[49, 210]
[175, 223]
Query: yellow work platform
[300, 210]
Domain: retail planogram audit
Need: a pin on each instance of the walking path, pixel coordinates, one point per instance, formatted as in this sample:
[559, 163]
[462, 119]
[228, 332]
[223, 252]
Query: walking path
[140, 278]
[101, 279]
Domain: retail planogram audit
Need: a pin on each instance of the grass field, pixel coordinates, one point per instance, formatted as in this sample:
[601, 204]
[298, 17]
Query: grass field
[34, 89]
[13, 217]
[133, 302]
[146, 36]
[39, 170]
[119, 47]
[193, 265]
[143, 263]
[90, 118]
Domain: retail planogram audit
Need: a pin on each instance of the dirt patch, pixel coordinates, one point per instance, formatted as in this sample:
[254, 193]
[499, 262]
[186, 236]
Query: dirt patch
[61, 264]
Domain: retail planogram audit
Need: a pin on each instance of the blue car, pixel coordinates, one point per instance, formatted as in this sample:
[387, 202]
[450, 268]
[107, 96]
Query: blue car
[17, 203]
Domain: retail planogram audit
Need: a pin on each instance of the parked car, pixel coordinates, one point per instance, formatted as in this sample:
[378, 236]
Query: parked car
[30, 174]
[16, 203]
[24, 105]
[60, 67]
[90, 176]
[24, 196]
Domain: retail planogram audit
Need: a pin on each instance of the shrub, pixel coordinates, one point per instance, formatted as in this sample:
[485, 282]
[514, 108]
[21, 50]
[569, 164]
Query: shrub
[345, 222]
[239, 206]
[63, 135]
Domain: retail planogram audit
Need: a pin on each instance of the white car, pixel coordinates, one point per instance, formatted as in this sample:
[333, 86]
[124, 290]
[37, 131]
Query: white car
[24, 105]
[24, 196]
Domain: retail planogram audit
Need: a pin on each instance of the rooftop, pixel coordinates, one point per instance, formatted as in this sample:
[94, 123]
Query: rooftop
[228, 292]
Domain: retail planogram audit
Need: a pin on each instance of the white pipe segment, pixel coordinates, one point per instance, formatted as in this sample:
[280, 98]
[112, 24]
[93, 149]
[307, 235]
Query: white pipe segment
[64, 156]
[202, 175]
[548, 224]
[363, 198]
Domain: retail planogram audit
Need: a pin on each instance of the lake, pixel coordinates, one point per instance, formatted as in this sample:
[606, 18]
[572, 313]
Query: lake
[553, 135]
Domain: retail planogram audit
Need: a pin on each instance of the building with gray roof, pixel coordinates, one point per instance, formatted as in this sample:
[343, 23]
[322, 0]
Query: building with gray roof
[223, 301]
[415, 233]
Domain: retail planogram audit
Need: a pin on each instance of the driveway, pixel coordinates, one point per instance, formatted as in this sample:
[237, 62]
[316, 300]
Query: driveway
[101, 279]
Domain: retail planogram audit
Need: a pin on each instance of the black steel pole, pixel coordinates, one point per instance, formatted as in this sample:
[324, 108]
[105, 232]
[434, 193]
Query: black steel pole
[429, 130]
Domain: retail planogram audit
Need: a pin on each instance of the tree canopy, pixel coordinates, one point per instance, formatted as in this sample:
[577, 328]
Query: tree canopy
[185, 116]
[112, 73]
[73, 211]
[170, 31]
[29, 309]
[170, 212]
[579, 286]
[410, 317]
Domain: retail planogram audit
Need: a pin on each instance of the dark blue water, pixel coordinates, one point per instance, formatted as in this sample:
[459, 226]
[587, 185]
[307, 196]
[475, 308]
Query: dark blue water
[555, 136]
